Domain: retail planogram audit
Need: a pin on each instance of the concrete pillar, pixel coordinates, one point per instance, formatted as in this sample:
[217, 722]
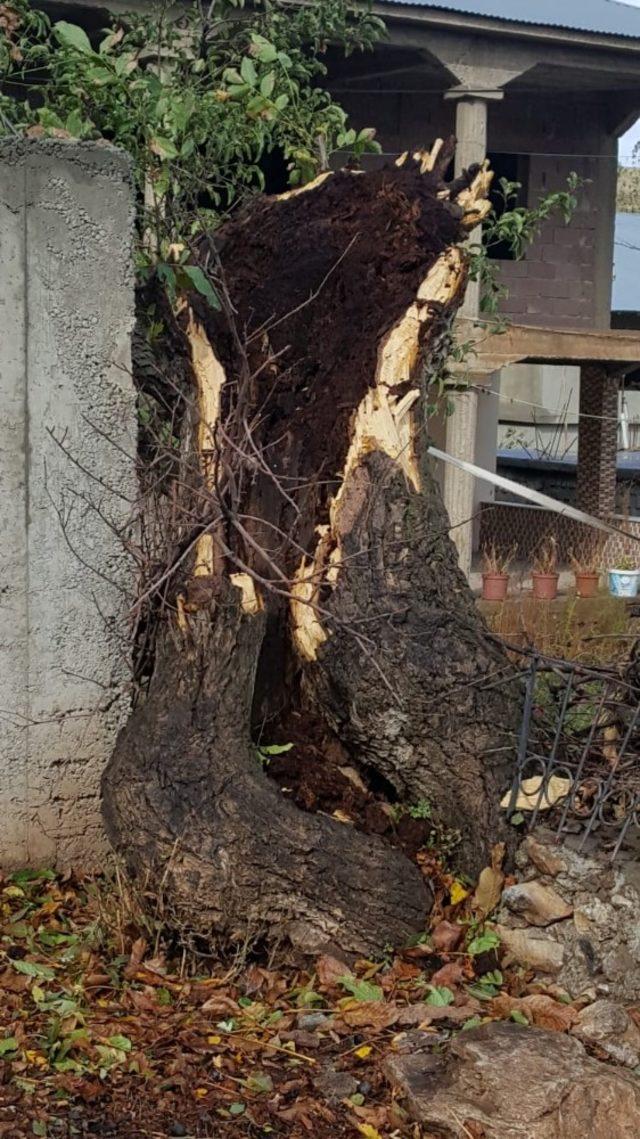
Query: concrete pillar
[66, 314]
[597, 440]
[459, 489]
[487, 418]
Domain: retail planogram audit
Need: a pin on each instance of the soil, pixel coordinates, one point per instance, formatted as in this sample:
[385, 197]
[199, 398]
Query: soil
[325, 353]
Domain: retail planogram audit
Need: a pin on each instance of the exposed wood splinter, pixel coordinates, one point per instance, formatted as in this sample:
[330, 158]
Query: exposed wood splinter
[210, 379]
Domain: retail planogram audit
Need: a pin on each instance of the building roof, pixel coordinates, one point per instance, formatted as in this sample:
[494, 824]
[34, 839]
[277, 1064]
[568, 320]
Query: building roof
[603, 17]
[626, 264]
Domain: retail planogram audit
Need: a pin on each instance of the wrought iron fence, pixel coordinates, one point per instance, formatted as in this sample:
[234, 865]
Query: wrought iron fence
[578, 757]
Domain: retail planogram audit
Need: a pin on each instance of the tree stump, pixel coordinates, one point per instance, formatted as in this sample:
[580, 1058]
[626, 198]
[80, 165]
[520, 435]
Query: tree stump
[311, 592]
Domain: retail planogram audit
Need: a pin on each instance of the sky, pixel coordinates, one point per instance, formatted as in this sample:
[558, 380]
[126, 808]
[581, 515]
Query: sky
[629, 140]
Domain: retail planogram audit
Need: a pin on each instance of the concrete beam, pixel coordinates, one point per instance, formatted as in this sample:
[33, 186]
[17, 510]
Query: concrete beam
[519, 344]
[66, 315]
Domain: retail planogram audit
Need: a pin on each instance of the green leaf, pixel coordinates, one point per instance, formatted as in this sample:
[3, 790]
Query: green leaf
[484, 943]
[237, 1108]
[261, 1082]
[519, 1017]
[263, 49]
[167, 275]
[276, 749]
[38, 1127]
[357, 1099]
[22, 876]
[202, 284]
[122, 1043]
[9, 1044]
[70, 35]
[472, 1022]
[163, 147]
[307, 999]
[361, 990]
[30, 969]
[493, 978]
[440, 996]
[267, 84]
[248, 71]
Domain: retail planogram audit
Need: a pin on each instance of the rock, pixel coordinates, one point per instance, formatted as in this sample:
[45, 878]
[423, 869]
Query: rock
[508, 1082]
[425, 1014]
[302, 1039]
[609, 1025]
[533, 948]
[419, 1040]
[335, 1086]
[544, 857]
[314, 1021]
[602, 940]
[536, 903]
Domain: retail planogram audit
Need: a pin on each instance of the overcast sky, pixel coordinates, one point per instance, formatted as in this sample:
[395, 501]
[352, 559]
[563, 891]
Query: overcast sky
[629, 140]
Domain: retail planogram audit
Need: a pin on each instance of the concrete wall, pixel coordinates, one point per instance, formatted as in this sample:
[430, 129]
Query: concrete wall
[66, 314]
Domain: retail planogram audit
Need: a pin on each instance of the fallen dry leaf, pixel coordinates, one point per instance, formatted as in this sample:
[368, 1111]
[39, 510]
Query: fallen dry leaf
[488, 891]
[540, 1010]
[447, 936]
[370, 1014]
[449, 975]
[330, 969]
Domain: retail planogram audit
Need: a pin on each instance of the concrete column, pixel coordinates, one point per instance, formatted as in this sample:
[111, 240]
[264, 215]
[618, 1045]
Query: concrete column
[459, 490]
[597, 440]
[66, 314]
[487, 418]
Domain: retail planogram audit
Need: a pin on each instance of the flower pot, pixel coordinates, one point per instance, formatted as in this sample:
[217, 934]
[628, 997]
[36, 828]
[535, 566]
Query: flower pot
[494, 586]
[587, 584]
[624, 583]
[545, 585]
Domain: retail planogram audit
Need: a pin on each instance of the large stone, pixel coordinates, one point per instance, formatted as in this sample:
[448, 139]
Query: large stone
[508, 1082]
[609, 1026]
[533, 948]
[536, 903]
[600, 943]
[544, 857]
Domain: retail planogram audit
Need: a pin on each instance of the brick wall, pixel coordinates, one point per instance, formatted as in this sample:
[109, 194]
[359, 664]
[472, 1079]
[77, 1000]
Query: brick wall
[555, 283]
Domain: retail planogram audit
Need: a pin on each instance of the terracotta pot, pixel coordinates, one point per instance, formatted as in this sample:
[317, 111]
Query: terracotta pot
[494, 586]
[545, 585]
[587, 584]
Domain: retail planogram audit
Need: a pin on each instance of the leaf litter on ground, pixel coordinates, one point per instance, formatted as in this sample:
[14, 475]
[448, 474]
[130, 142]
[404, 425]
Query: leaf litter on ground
[104, 1031]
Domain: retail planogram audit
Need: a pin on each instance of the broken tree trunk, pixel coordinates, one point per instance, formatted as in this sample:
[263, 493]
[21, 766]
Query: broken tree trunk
[312, 594]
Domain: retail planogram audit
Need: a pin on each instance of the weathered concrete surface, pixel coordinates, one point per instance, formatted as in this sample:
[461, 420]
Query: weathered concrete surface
[66, 315]
[503, 1081]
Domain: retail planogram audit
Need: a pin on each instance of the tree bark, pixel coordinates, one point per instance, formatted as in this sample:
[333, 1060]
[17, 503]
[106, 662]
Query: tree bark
[313, 594]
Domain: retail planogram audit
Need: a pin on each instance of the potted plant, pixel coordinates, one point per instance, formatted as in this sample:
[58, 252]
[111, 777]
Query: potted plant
[495, 575]
[624, 578]
[585, 563]
[545, 570]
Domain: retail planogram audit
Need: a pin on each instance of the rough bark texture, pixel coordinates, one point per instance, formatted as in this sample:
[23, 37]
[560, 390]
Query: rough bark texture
[325, 606]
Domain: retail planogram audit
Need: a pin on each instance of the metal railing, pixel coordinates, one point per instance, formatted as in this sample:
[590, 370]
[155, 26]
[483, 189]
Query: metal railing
[578, 754]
